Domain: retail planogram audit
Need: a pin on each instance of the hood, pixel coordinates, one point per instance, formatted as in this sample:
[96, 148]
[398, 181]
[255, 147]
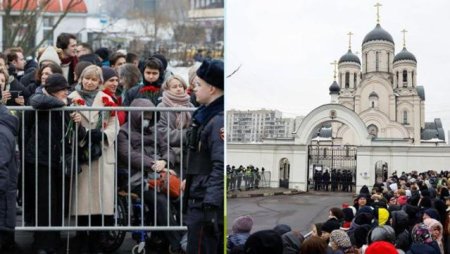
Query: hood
[135, 116]
[11, 122]
[291, 242]
[421, 248]
[50, 54]
[399, 221]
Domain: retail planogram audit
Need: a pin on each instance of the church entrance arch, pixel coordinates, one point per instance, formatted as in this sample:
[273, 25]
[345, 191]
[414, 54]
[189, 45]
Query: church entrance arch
[285, 168]
[331, 165]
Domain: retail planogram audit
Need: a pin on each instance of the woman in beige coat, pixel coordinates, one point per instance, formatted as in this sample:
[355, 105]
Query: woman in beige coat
[93, 189]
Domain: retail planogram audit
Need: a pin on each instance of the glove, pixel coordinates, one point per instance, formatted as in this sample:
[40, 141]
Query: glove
[210, 216]
[96, 135]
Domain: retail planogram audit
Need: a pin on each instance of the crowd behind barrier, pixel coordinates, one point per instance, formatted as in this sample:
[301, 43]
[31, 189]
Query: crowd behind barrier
[405, 213]
[101, 147]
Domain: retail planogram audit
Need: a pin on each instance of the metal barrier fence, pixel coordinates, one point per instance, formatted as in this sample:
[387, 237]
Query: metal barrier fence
[129, 209]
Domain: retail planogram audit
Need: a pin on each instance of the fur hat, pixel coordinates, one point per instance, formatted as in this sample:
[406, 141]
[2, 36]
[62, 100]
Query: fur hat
[108, 73]
[242, 224]
[381, 247]
[212, 73]
[264, 241]
[341, 239]
[55, 83]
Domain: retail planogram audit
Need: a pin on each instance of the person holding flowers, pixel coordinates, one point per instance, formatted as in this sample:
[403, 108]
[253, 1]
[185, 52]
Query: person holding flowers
[110, 85]
[93, 195]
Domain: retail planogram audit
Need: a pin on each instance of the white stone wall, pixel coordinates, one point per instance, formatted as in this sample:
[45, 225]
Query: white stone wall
[385, 56]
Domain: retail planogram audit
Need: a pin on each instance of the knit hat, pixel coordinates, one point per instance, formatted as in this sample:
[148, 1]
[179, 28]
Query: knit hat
[103, 53]
[242, 224]
[364, 218]
[381, 247]
[281, 229]
[341, 239]
[433, 213]
[329, 226]
[108, 73]
[50, 54]
[55, 83]
[264, 241]
[212, 73]
[421, 234]
[348, 214]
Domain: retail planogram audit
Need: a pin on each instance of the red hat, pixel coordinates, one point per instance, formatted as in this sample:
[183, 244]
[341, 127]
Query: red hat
[381, 247]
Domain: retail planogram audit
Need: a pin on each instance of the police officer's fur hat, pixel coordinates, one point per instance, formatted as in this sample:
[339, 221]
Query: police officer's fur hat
[212, 73]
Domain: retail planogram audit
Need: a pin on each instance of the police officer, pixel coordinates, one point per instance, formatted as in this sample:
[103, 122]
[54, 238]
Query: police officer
[339, 180]
[257, 178]
[333, 180]
[204, 176]
[233, 178]
[239, 175]
[229, 173]
[326, 180]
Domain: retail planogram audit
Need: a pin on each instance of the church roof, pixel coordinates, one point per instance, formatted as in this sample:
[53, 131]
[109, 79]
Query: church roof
[433, 130]
[349, 57]
[378, 34]
[421, 92]
[334, 88]
[405, 55]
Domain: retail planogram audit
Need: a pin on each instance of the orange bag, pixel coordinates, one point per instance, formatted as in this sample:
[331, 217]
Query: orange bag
[163, 180]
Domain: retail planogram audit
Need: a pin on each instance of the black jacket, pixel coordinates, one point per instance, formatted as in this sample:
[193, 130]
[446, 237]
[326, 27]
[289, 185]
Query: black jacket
[207, 187]
[9, 125]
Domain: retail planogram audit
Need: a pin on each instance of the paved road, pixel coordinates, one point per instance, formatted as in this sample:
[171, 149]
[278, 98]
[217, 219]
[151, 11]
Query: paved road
[298, 211]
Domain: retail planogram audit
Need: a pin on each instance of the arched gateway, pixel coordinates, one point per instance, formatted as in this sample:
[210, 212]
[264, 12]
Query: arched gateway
[325, 156]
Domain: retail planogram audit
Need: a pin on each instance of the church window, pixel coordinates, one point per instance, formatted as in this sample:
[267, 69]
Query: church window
[389, 60]
[405, 78]
[366, 62]
[412, 77]
[373, 104]
[377, 59]
[405, 117]
[347, 79]
[354, 79]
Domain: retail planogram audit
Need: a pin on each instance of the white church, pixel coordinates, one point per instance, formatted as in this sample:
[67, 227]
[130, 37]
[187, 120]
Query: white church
[375, 122]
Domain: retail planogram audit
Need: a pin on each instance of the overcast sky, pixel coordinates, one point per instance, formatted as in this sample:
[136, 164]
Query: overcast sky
[285, 48]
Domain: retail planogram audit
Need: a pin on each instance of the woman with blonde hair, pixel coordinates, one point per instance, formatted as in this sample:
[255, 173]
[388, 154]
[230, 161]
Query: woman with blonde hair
[174, 124]
[93, 195]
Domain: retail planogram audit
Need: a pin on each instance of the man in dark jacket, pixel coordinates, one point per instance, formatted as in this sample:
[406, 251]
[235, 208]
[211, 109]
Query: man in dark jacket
[205, 172]
[9, 125]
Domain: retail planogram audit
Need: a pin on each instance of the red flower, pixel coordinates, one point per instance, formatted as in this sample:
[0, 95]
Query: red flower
[108, 103]
[149, 89]
[79, 102]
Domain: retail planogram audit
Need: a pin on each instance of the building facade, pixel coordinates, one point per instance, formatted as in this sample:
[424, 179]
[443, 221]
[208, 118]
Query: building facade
[376, 116]
[250, 126]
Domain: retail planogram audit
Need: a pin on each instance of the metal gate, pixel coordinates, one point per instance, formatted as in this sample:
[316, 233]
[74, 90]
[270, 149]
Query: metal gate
[332, 167]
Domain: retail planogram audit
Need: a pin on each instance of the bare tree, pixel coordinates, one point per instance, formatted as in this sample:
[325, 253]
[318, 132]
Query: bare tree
[20, 21]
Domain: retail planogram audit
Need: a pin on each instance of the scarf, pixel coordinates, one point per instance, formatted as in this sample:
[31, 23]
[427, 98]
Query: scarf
[183, 119]
[88, 96]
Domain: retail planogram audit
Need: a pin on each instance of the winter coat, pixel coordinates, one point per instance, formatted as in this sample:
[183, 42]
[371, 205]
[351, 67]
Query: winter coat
[236, 240]
[132, 131]
[49, 125]
[400, 226]
[291, 243]
[9, 125]
[208, 187]
[167, 125]
[422, 248]
[101, 176]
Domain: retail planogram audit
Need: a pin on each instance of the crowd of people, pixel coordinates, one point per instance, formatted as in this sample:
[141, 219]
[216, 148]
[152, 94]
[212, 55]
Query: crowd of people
[407, 213]
[92, 144]
[251, 175]
[336, 181]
